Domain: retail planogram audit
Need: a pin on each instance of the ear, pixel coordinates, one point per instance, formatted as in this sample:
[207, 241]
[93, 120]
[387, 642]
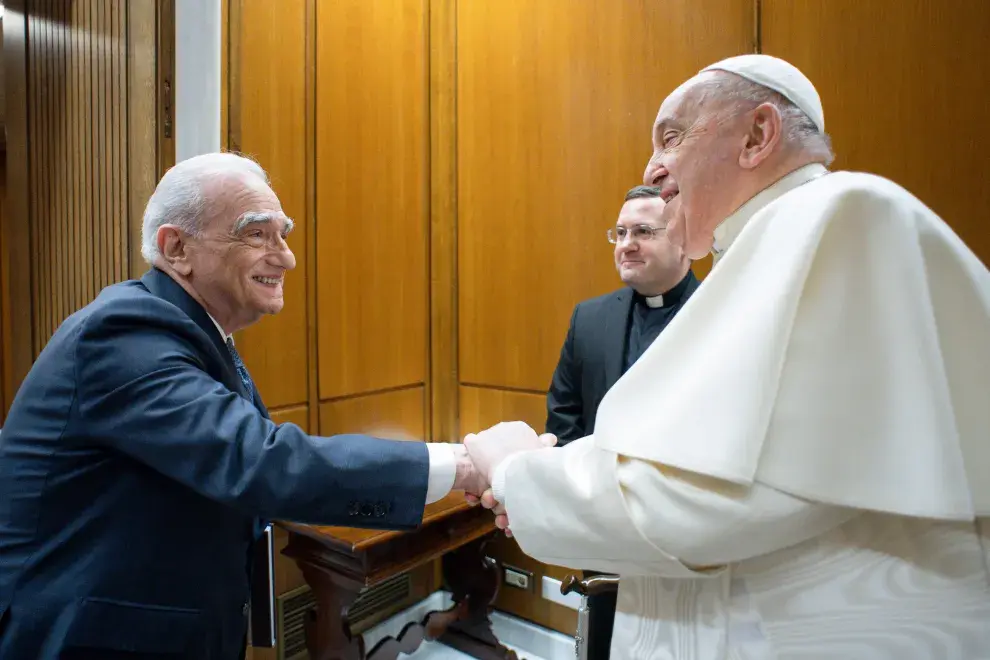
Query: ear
[763, 135]
[174, 249]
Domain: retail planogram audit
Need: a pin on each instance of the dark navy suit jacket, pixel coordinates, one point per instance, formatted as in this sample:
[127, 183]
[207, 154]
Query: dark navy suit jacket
[134, 471]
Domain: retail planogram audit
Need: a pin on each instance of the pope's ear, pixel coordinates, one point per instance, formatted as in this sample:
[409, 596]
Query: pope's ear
[764, 133]
[174, 248]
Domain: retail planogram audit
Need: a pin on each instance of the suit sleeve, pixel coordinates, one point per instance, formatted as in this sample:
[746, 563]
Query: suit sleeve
[143, 391]
[565, 410]
[605, 512]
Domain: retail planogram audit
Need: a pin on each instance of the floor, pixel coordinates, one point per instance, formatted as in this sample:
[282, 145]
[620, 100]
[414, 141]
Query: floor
[529, 641]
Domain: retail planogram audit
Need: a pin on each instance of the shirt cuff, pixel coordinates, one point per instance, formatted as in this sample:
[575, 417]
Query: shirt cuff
[498, 479]
[443, 470]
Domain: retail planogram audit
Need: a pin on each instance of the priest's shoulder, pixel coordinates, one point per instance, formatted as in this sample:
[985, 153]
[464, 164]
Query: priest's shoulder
[599, 303]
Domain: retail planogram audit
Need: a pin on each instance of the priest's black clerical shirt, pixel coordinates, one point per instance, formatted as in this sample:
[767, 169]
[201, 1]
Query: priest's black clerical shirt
[649, 316]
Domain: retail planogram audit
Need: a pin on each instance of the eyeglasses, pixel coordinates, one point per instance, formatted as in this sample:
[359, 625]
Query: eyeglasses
[637, 233]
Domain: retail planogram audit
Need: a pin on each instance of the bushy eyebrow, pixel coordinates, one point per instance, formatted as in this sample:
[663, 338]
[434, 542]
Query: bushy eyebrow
[658, 129]
[249, 219]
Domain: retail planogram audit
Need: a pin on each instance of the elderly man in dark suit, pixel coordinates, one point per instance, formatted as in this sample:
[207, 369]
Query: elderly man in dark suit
[609, 333]
[138, 461]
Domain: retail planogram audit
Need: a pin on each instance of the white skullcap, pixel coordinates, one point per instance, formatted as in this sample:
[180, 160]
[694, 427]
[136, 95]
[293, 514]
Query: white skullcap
[780, 76]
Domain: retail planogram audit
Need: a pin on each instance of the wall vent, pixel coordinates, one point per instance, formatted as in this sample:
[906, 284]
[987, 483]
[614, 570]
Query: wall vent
[291, 610]
[371, 607]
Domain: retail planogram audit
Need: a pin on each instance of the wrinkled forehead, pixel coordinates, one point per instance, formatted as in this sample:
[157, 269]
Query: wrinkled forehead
[682, 106]
[236, 196]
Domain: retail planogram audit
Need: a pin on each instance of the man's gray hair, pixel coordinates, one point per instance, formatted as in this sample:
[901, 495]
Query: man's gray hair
[799, 131]
[179, 199]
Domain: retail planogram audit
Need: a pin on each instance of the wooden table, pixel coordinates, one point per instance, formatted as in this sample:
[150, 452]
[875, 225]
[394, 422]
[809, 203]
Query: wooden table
[339, 562]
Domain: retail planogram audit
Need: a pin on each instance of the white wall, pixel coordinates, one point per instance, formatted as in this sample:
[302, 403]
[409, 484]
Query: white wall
[197, 77]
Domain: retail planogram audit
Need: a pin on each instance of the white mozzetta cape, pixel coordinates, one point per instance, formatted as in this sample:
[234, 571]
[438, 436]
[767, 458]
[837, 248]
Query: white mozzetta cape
[812, 428]
[839, 351]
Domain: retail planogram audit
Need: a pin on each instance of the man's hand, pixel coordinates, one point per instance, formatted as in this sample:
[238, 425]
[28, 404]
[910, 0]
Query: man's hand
[466, 476]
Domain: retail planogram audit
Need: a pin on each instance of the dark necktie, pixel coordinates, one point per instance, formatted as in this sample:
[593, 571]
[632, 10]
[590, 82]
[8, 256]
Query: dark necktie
[241, 369]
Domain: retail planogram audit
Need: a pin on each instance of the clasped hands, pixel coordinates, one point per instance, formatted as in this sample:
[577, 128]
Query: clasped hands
[480, 456]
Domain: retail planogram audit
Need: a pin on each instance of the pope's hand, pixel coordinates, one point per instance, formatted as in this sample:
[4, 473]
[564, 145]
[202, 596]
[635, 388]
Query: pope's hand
[501, 517]
[492, 446]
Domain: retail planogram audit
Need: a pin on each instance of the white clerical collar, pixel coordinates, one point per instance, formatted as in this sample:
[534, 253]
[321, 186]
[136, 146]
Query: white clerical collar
[223, 334]
[654, 301]
[731, 227]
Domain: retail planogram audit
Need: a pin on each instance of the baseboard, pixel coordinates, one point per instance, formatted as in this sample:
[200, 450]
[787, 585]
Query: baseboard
[530, 641]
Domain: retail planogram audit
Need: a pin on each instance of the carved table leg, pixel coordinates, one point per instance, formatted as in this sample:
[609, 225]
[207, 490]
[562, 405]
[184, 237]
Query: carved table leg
[328, 633]
[474, 581]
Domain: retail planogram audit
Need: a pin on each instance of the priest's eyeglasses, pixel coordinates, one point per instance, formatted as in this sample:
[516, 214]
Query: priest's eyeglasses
[637, 233]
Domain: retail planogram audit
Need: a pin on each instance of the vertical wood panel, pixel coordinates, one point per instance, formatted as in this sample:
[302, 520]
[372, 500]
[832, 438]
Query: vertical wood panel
[120, 230]
[75, 192]
[555, 101]
[906, 94]
[397, 415]
[31, 90]
[443, 221]
[312, 342]
[165, 83]
[225, 75]
[143, 128]
[18, 243]
[273, 131]
[372, 191]
[77, 197]
[3, 291]
[483, 407]
[74, 285]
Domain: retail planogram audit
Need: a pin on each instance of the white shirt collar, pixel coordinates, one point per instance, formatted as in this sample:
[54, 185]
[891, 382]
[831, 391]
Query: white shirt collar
[223, 334]
[731, 227]
[654, 301]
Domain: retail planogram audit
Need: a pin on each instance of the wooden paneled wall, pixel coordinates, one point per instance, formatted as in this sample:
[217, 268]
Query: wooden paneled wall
[78, 96]
[352, 342]
[906, 90]
[81, 81]
[555, 104]
[332, 98]
[454, 166]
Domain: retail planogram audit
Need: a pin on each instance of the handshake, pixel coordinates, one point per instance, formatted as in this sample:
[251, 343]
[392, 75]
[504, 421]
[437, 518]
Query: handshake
[479, 458]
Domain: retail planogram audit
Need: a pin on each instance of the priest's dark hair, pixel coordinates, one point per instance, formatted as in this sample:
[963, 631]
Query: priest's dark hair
[642, 192]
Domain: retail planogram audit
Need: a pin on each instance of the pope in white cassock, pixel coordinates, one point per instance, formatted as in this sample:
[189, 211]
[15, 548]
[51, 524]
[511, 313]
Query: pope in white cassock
[811, 476]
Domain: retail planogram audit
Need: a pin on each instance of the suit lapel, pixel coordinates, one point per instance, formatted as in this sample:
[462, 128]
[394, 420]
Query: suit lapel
[692, 286]
[615, 334]
[163, 286]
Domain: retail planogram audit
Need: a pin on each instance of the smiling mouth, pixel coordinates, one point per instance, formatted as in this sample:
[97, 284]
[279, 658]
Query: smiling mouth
[268, 281]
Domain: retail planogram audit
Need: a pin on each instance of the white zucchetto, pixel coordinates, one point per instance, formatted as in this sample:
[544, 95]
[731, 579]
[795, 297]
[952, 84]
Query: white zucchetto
[780, 76]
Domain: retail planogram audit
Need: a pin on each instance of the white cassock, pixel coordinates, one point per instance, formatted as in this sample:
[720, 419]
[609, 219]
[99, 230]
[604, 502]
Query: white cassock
[799, 467]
